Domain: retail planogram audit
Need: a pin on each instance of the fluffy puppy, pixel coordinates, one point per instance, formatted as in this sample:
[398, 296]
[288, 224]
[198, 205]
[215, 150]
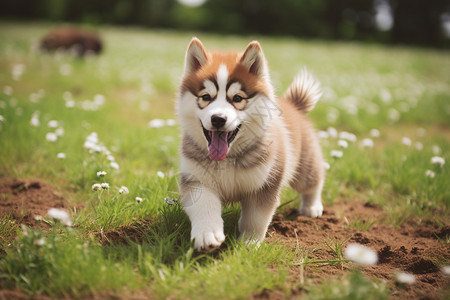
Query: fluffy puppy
[241, 143]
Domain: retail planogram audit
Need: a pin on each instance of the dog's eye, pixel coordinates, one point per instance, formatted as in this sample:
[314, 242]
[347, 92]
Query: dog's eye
[237, 98]
[206, 97]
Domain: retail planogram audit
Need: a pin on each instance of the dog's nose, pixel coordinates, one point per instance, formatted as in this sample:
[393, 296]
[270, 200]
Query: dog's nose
[218, 120]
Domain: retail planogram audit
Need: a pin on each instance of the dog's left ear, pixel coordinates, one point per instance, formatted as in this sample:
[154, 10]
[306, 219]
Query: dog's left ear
[253, 59]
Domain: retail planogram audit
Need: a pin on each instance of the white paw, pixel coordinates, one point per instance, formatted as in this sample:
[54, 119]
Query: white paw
[206, 240]
[313, 211]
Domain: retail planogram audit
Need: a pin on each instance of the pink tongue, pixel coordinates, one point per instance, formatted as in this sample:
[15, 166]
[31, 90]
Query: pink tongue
[219, 146]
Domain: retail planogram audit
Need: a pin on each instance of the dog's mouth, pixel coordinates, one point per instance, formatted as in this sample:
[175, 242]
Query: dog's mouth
[219, 141]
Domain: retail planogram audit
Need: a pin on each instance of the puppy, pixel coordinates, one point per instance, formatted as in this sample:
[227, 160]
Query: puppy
[241, 143]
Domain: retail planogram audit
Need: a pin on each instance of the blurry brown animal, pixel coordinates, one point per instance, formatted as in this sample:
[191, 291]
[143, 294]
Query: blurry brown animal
[79, 41]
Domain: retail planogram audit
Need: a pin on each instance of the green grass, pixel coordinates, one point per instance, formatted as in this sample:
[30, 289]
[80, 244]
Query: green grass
[120, 246]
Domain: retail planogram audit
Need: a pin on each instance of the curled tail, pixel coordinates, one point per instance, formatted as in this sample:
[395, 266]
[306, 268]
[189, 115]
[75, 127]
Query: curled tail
[304, 91]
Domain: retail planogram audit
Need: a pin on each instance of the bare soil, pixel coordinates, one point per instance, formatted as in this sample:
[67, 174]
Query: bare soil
[25, 199]
[416, 247]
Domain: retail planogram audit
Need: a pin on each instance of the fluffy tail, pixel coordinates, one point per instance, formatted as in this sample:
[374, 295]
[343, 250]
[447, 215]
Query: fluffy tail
[304, 91]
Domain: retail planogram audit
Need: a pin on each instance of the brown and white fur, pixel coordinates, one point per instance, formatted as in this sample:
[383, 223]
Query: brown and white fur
[241, 143]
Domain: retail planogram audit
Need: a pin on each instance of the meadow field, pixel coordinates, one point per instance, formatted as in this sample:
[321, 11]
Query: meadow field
[383, 122]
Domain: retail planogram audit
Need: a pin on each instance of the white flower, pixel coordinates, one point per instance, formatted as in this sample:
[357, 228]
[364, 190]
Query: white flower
[124, 190]
[436, 150]
[60, 215]
[418, 146]
[65, 69]
[367, 143]
[38, 218]
[332, 132]
[53, 124]
[374, 133]
[323, 134]
[405, 278]
[101, 173]
[7, 90]
[17, 71]
[326, 165]
[105, 186]
[393, 115]
[170, 122]
[139, 199]
[99, 100]
[51, 137]
[96, 187]
[35, 119]
[406, 141]
[114, 165]
[385, 96]
[437, 160]
[160, 174]
[347, 136]
[61, 155]
[156, 123]
[446, 270]
[170, 201]
[361, 254]
[2, 118]
[336, 153]
[39, 242]
[59, 131]
[70, 103]
[343, 144]
[430, 174]
[421, 131]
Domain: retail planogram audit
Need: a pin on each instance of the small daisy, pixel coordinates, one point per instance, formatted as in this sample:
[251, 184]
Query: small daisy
[59, 131]
[347, 136]
[406, 141]
[367, 143]
[418, 146]
[114, 165]
[343, 144]
[124, 190]
[38, 218]
[332, 132]
[170, 201]
[160, 174]
[39, 242]
[171, 122]
[336, 153]
[96, 187]
[430, 174]
[437, 160]
[60, 215]
[323, 134]
[105, 186]
[326, 165]
[51, 137]
[374, 133]
[393, 115]
[139, 199]
[405, 278]
[436, 150]
[101, 173]
[61, 155]
[156, 123]
[446, 270]
[361, 254]
[53, 124]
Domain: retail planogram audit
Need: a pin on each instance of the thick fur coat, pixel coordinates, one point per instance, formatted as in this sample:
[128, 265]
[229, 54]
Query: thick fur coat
[241, 143]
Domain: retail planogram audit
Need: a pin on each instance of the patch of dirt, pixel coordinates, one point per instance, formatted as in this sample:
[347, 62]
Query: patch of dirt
[415, 247]
[25, 199]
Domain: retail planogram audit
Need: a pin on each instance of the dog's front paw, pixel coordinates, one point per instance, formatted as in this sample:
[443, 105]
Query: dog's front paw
[207, 240]
[313, 211]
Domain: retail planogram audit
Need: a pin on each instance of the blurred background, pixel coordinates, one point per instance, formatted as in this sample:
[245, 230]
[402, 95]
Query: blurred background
[417, 22]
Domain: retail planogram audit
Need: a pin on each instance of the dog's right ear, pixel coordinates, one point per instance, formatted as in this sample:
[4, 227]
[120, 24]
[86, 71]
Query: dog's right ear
[196, 56]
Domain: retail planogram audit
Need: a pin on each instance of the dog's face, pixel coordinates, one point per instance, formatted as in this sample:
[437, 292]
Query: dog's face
[219, 97]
